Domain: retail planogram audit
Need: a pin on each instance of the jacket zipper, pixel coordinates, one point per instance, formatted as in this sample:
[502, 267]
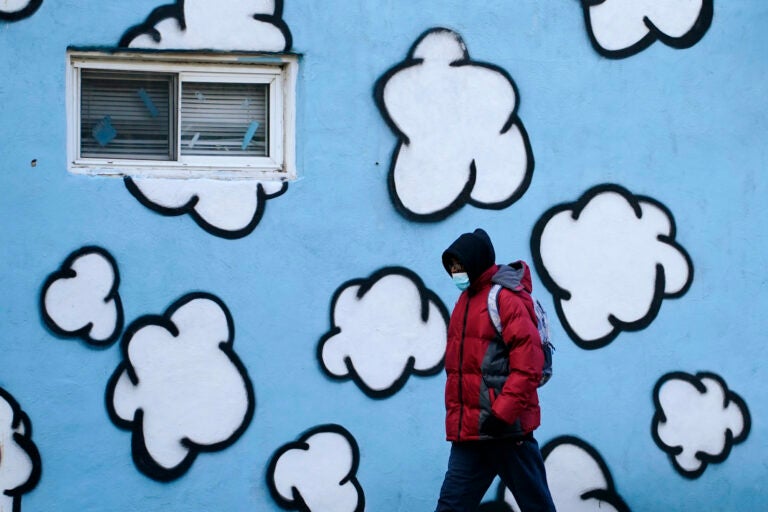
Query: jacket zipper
[461, 366]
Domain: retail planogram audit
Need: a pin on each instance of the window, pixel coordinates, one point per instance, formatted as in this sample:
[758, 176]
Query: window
[159, 114]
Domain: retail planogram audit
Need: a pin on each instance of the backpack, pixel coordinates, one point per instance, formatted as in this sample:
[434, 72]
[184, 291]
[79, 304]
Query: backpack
[542, 324]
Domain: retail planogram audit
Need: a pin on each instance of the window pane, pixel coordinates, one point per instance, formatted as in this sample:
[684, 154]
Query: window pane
[224, 119]
[125, 115]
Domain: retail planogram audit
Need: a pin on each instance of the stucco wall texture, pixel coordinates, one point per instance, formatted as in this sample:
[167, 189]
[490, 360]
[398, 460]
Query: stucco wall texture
[196, 345]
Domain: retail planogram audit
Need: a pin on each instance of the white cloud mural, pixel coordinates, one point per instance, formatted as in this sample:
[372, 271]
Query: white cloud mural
[81, 298]
[181, 388]
[460, 140]
[14, 10]
[620, 28]
[384, 328]
[318, 473]
[697, 420]
[578, 479]
[251, 25]
[609, 259]
[225, 208]
[19, 459]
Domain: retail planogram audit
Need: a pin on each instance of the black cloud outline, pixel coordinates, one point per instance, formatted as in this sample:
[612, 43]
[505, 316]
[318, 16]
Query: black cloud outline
[189, 208]
[25, 441]
[559, 294]
[176, 11]
[730, 439]
[65, 272]
[26, 12]
[464, 196]
[141, 457]
[608, 495]
[301, 444]
[687, 40]
[365, 285]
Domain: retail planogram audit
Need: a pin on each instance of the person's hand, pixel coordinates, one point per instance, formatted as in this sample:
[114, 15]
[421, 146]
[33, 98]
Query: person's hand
[493, 426]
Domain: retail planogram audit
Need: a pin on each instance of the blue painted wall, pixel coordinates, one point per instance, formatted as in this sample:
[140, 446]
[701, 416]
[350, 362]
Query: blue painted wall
[687, 127]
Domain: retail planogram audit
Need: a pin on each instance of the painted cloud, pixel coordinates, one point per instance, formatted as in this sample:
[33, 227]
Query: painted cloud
[578, 478]
[609, 259]
[14, 10]
[229, 209]
[460, 138]
[19, 459]
[250, 25]
[181, 388]
[317, 473]
[620, 28]
[81, 299]
[383, 329]
[697, 420]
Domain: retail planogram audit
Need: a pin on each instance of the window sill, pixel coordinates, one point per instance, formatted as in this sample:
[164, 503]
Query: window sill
[183, 172]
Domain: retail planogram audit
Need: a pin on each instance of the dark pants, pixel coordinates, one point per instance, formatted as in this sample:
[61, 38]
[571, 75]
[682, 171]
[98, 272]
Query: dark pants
[474, 464]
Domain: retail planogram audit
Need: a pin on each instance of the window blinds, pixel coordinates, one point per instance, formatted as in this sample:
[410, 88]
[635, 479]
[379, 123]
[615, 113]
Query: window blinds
[132, 116]
[224, 119]
[126, 115]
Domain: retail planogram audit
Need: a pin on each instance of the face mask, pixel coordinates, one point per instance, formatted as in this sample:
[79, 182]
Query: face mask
[461, 280]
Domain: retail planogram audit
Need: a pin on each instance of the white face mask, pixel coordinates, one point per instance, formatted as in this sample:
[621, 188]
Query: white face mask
[461, 280]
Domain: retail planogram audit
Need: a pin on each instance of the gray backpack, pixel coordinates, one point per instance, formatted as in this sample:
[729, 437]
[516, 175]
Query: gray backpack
[542, 324]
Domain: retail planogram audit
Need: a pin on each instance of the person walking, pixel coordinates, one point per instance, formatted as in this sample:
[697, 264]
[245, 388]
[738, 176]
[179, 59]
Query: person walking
[491, 398]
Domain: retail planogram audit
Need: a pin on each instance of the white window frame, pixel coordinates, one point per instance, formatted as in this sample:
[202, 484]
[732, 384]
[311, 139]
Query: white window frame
[278, 71]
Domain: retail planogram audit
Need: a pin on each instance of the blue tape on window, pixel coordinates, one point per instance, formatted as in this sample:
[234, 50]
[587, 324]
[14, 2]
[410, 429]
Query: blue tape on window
[104, 132]
[250, 133]
[147, 102]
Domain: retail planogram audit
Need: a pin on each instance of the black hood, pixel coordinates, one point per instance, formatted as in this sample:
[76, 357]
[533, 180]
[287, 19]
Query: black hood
[474, 251]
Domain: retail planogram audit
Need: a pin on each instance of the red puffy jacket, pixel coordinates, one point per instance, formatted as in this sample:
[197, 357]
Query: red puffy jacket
[487, 376]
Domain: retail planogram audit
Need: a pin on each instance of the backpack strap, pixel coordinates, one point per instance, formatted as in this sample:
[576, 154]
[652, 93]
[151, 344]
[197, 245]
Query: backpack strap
[543, 322]
[493, 308]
